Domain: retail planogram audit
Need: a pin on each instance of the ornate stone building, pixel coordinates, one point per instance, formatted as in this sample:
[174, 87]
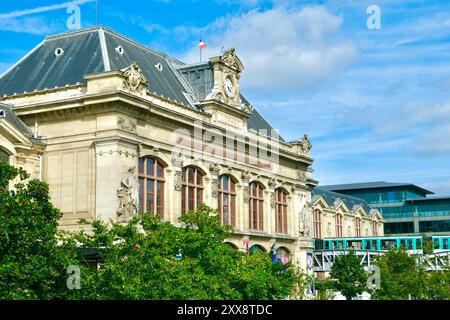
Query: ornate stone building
[337, 215]
[118, 129]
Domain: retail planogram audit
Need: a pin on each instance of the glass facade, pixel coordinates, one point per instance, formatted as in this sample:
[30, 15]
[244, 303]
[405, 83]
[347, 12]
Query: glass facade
[398, 227]
[383, 196]
[409, 204]
[434, 226]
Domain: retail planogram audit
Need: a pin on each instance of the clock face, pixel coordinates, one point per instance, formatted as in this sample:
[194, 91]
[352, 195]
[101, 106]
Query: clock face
[229, 87]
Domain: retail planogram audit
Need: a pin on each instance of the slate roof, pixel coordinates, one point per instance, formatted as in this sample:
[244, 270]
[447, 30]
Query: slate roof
[374, 185]
[94, 50]
[330, 197]
[7, 113]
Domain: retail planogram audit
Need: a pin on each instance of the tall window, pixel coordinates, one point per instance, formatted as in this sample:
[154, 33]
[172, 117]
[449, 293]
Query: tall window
[281, 207]
[256, 212]
[4, 156]
[358, 227]
[375, 228]
[227, 200]
[192, 189]
[151, 186]
[338, 226]
[317, 224]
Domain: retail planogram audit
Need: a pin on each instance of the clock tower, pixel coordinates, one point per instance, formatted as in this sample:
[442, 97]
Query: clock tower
[227, 70]
[224, 100]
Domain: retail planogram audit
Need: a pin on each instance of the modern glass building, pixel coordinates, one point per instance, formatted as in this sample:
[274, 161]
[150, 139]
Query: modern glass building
[406, 208]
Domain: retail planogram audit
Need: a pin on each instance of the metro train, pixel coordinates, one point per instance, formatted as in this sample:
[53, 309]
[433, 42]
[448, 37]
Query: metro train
[438, 243]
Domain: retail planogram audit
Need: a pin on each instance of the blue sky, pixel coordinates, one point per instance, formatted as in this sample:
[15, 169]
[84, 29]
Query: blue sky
[375, 103]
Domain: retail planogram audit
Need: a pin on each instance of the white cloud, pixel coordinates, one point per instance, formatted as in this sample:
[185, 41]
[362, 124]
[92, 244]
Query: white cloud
[33, 25]
[26, 12]
[282, 49]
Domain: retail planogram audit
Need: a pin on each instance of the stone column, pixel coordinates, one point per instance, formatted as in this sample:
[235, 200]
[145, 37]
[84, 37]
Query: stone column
[174, 187]
[245, 223]
[214, 170]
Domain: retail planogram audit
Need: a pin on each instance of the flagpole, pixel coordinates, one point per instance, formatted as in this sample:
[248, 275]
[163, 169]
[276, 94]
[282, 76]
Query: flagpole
[200, 49]
[97, 12]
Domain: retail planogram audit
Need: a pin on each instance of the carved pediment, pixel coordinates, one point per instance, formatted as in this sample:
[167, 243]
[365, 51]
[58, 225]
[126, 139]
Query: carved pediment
[135, 80]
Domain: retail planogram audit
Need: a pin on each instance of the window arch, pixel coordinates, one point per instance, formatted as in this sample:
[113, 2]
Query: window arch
[317, 224]
[256, 207]
[338, 226]
[256, 248]
[4, 156]
[151, 186]
[281, 208]
[227, 200]
[282, 255]
[191, 188]
[358, 227]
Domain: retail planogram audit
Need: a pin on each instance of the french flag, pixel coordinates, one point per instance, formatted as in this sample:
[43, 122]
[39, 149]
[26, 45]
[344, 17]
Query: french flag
[201, 45]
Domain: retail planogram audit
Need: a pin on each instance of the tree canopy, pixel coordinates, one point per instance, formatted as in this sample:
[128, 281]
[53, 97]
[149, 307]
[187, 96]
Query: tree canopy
[348, 276]
[143, 259]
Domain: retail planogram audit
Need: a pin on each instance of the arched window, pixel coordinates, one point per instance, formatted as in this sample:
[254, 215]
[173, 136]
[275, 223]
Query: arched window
[192, 189]
[227, 200]
[338, 226]
[358, 227]
[317, 224]
[151, 186]
[4, 156]
[281, 207]
[256, 248]
[256, 208]
[282, 255]
[375, 228]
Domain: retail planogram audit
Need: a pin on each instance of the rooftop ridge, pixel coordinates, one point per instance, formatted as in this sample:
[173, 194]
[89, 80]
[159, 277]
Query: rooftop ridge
[113, 32]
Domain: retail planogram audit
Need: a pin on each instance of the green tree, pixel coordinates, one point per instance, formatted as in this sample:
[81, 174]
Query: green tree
[32, 265]
[348, 276]
[150, 259]
[401, 277]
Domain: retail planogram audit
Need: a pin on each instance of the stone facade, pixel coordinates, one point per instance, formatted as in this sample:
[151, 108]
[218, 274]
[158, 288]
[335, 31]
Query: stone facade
[91, 135]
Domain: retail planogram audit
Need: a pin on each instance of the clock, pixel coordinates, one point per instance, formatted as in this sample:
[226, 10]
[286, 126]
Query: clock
[229, 87]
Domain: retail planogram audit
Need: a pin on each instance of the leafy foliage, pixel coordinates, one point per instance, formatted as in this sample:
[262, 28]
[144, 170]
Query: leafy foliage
[403, 278]
[348, 276]
[144, 259]
[32, 266]
[163, 261]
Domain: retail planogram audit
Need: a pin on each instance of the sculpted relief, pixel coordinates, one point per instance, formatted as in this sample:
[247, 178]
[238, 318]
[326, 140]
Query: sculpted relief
[126, 195]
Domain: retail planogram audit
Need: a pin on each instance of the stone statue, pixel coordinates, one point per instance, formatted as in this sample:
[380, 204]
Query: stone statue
[305, 144]
[305, 221]
[127, 195]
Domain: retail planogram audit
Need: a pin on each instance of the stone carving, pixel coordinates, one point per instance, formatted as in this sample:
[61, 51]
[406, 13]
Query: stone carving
[215, 188]
[129, 126]
[178, 159]
[177, 182]
[305, 223]
[127, 195]
[272, 200]
[214, 168]
[272, 182]
[230, 58]
[301, 175]
[305, 144]
[135, 79]
[246, 194]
